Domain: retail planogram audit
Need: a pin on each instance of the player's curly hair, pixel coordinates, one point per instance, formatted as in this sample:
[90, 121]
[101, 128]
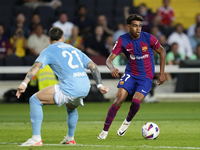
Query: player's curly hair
[134, 17]
[55, 33]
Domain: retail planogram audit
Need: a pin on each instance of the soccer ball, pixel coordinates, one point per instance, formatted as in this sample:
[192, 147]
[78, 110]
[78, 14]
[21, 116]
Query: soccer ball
[150, 131]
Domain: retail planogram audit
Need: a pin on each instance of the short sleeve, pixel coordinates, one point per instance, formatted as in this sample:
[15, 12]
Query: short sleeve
[85, 59]
[117, 48]
[154, 43]
[44, 58]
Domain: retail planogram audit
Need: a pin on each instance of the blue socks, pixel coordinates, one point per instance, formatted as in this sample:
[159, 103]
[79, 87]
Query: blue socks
[72, 118]
[36, 114]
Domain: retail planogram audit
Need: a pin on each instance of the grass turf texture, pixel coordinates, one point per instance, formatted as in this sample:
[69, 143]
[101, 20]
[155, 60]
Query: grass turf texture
[178, 122]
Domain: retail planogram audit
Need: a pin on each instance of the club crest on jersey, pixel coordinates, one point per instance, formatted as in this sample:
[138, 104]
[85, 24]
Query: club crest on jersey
[144, 49]
[121, 82]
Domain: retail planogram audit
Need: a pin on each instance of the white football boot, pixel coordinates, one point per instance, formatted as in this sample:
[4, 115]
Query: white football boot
[123, 128]
[68, 140]
[31, 142]
[103, 135]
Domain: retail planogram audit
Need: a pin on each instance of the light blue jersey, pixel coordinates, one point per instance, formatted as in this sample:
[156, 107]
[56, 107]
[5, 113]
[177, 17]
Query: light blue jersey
[68, 64]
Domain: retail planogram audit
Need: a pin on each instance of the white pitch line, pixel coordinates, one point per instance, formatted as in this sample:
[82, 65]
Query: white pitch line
[85, 145]
[79, 122]
[95, 122]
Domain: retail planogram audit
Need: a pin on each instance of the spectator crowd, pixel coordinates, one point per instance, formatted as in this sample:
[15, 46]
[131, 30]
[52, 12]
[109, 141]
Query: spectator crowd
[94, 34]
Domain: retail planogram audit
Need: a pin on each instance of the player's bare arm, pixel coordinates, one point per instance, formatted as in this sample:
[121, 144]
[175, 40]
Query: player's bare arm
[114, 71]
[33, 71]
[161, 77]
[97, 77]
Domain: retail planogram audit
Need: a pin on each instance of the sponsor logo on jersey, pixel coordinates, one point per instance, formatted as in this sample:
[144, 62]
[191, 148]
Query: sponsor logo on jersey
[129, 49]
[144, 49]
[79, 74]
[121, 82]
[132, 56]
[138, 57]
[142, 57]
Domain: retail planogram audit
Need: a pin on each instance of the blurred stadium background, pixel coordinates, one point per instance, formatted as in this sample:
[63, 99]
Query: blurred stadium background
[178, 120]
[185, 13]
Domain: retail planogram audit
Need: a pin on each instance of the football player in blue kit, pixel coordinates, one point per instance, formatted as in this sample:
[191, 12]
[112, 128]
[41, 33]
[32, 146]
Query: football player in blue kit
[68, 64]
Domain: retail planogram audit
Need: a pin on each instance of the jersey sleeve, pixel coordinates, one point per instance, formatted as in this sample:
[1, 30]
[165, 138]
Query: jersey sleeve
[117, 48]
[85, 59]
[154, 43]
[44, 58]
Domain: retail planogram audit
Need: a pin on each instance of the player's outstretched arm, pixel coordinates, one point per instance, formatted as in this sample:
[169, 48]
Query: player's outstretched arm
[114, 71]
[33, 71]
[97, 77]
[161, 77]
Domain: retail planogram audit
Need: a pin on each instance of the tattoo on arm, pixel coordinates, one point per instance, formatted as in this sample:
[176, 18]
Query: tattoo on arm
[95, 72]
[32, 72]
[30, 75]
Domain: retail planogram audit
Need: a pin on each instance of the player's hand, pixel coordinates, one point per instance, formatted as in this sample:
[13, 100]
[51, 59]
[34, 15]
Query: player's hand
[161, 79]
[21, 89]
[104, 89]
[115, 72]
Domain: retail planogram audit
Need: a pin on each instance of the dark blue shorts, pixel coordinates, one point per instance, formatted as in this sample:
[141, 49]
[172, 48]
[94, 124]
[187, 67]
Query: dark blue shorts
[132, 84]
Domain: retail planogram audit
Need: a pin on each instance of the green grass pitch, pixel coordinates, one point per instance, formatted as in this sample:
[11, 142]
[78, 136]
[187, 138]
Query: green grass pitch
[179, 125]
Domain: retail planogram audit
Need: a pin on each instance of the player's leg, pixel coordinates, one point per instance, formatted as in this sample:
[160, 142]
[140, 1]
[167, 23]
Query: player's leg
[135, 106]
[72, 118]
[120, 97]
[142, 89]
[36, 101]
[72, 115]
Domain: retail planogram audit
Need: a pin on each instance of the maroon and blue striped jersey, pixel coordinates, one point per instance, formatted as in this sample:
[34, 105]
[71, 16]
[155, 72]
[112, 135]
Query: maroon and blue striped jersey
[139, 53]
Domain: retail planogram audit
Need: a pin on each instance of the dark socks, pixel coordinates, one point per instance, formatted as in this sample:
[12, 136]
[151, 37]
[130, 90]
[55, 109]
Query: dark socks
[135, 106]
[110, 116]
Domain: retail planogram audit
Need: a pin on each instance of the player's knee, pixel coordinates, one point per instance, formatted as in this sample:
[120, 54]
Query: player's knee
[34, 99]
[31, 99]
[118, 103]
